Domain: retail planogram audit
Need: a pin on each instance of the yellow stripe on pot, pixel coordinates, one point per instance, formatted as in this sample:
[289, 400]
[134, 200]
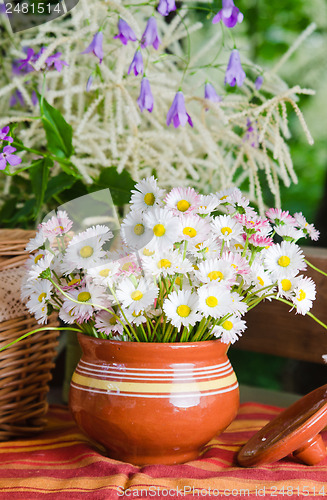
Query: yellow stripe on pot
[160, 388]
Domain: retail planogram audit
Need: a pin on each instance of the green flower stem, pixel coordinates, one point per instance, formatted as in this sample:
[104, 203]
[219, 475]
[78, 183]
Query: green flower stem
[314, 267]
[43, 329]
[124, 316]
[307, 314]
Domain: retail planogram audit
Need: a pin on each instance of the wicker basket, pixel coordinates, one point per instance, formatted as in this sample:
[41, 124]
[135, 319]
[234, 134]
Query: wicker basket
[24, 367]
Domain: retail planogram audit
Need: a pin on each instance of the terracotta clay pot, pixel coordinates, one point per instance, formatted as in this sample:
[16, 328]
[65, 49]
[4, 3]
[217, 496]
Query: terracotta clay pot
[153, 403]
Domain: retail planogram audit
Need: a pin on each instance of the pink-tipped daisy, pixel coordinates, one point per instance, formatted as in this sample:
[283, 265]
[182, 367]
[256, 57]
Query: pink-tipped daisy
[182, 200]
[57, 225]
[279, 216]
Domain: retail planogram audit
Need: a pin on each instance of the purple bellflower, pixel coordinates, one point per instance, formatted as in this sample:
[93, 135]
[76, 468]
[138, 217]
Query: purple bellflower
[150, 35]
[96, 46]
[166, 6]
[4, 136]
[145, 99]
[234, 73]
[7, 156]
[258, 83]
[125, 32]
[55, 61]
[24, 64]
[137, 64]
[211, 94]
[177, 112]
[230, 15]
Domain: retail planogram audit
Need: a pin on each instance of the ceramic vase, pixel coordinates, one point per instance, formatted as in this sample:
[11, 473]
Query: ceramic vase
[153, 403]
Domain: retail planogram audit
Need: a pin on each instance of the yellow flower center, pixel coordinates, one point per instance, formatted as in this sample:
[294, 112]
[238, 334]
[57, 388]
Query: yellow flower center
[127, 266]
[226, 230]
[74, 282]
[112, 320]
[302, 295]
[139, 229]
[286, 285]
[211, 301]
[195, 267]
[136, 295]
[190, 231]
[224, 197]
[149, 199]
[183, 310]
[238, 246]
[83, 296]
[164, 263]
[86, 251]
[38, 257]
[260, 280]
[104, 273]
[215, 275]
[59, 227]
[159, 230]
[178, 281]
[42, 296]
[228, 325]
[147, 252]
[136, 315]
[183, 205]
[284, 261]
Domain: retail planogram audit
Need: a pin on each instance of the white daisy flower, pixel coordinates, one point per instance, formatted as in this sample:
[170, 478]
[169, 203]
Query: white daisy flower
[286, 287]
[88, 294]
[146, 195]
[230, 330]
[181, 308]
[134, 233]
[135, 318]
[99, 231]
[39, 297]
[214, 300]
[215, 270]
[194, 229]
[105, 273]
[164, 227]
[182, 200]
[136, 295]
[166, 263]
[207, 249]
[57, 225]
[83, 252]
[238, 306]
[207, 204]
[108, 323]
[42, 264]
[261, 279]
[36, 242]
[227, 229]
[236, 199]
[224, 193]
[68, 317]
[284, 260]
[289, 232]
[305, 293]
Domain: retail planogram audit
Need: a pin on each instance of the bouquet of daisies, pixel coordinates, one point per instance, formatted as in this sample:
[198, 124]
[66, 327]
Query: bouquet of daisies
[189, 267]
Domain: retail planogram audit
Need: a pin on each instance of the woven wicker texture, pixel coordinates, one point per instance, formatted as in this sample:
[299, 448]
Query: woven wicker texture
[25, 368]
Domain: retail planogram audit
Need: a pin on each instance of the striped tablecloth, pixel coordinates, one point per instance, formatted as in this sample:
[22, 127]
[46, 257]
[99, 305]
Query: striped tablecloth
[63, 464]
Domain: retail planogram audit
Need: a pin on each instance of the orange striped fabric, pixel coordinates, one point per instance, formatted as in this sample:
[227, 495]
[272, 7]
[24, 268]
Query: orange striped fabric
[63, 464]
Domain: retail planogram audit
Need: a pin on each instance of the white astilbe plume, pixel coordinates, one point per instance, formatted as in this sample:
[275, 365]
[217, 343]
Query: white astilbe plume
[108, 128]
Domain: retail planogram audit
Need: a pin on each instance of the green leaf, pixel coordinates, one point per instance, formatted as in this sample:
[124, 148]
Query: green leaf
[59, 133]
[69, 168]
[58, 184]
[120, 185]
[39, 173]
